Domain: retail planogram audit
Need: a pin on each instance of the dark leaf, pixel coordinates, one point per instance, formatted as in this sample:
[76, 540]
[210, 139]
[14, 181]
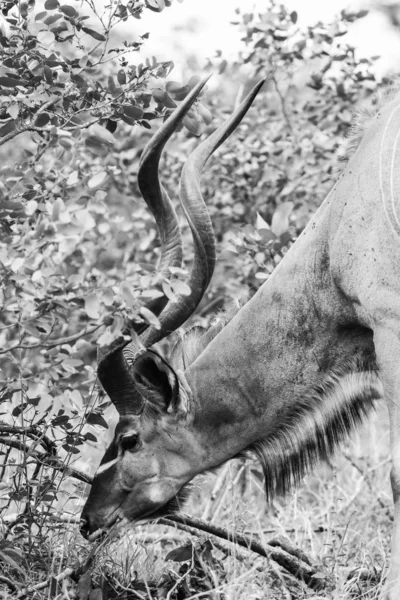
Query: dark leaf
[121, 77]
[42, 120]
[181, 554]
[68, 10]
[155, 5]
[48, 74]
[40, 16]
[7, 128]
[132, 112]
[51, 4]
[12, 82]
[111, 125]
[52, 19]
[168, 102]
[173, 87]
[71, 449]
[96, 419]
[95, 34]
[158, 95]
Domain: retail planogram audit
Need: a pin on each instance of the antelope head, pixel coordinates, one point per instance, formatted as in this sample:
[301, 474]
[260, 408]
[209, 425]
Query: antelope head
[157, 448]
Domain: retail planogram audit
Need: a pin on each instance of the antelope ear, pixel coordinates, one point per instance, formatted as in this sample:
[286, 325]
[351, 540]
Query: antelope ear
[157, 381]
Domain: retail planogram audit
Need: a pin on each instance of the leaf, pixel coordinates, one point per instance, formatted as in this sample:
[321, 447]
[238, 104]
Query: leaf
[73, 179]
[108, 297]
[13, 110]
[181, 554]
[92, 306]
[46, 38]
[97, 180]
[168, 102]
[48, 74]
[151, 294]
[96, 419]
[127, 295]
[158, 95]
[167, 289]
[280, 218]
[180, 287]
[222, 66]
[42, 120]
[193, 123]
[173, 87]
[204, 113]
[95, 34]
[51, 4]
[194, 80]
[12, 82]
[68, 10]
[133, 112]
[261, 223]
[52, 19]
[7, 128]
[121, 77]
[11, 555]
[181, 93]
[57, 208]
[155, 5]
[99, 134]
[150, 317]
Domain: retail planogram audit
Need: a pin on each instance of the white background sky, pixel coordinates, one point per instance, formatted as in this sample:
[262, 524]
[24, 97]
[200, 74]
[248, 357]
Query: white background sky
[203, 26]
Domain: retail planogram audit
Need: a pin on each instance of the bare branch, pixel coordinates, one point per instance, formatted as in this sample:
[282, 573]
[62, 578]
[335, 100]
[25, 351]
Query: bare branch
[54, 343]
[47, 460]
[292, 562]
[44, 584]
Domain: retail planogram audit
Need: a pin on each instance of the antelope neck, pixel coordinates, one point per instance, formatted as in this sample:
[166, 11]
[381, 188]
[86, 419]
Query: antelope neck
[284, 343]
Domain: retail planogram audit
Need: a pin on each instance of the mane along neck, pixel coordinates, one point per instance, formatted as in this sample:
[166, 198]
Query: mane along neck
[294, 371]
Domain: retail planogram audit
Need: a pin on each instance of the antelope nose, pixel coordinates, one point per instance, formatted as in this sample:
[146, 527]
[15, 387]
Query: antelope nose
[84, 526]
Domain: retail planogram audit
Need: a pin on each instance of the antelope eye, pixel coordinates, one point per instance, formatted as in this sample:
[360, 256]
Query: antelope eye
[129, 442]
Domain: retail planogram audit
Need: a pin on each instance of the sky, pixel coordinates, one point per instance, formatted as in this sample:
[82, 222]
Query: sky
[204, 26]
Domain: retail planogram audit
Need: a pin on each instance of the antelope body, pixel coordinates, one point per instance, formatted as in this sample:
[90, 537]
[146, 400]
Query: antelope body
[291, 374]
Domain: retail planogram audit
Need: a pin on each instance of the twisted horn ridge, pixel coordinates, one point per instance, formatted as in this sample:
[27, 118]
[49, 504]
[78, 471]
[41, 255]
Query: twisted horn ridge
[114, 374]
[114, 362]
[157, 198]
[196, 212]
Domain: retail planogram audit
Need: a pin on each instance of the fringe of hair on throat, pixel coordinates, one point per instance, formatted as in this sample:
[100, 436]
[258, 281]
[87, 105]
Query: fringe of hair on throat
[313, 427]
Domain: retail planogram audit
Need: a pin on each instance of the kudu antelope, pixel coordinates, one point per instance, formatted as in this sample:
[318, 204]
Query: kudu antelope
[295, 370]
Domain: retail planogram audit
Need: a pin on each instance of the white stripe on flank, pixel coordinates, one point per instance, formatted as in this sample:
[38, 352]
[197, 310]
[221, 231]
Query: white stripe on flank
[106, 466]
[388, 216]
[392, 168]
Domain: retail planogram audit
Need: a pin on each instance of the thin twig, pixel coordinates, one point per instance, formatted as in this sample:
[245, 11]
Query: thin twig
[54, 343]
[48, 461]
[44, 584]
[7, 581]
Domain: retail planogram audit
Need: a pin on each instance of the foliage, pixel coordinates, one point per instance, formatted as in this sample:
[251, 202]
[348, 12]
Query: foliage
[285, 159]
[78, 247]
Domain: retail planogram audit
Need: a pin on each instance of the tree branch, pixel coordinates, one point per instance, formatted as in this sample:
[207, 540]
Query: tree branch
[292, 559]
[53, 343]
[47, 460]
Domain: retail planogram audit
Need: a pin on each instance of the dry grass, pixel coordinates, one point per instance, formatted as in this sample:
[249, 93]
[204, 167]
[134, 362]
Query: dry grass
[340, 517]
